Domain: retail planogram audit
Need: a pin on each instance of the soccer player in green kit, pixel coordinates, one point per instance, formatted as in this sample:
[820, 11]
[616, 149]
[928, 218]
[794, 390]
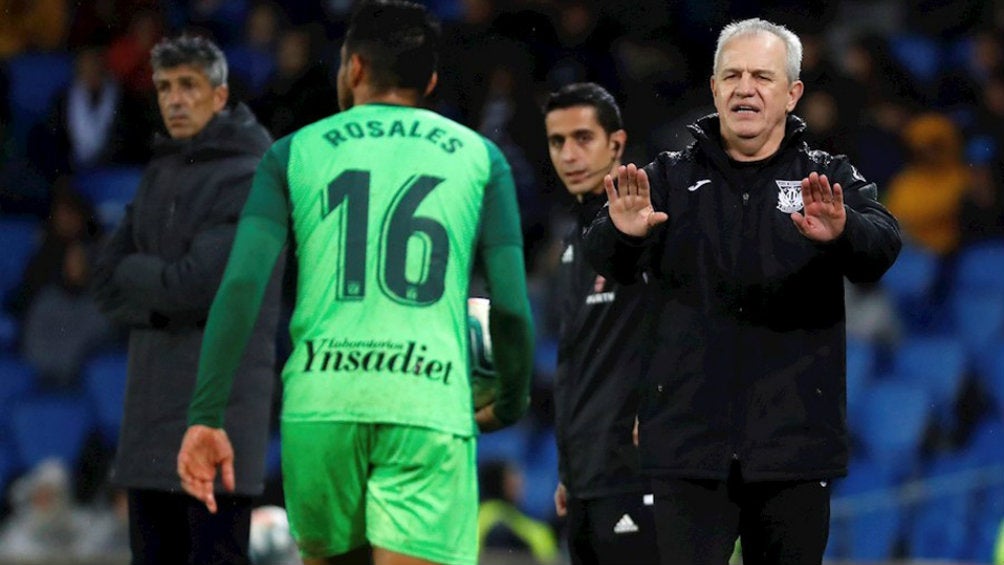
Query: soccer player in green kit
[388, 207]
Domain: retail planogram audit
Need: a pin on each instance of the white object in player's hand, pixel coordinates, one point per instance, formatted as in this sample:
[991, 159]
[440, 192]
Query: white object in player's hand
[484, 379]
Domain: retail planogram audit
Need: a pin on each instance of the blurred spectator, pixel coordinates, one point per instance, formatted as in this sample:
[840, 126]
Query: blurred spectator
[503, 526]
[300, 91]
[32, 24]
[583, 50]
[129, 53]
[963, 81]
[252, 59]
[223, 18]
[874, 72]
[925, 196]
[981, 212]
[63, 325]
[45, 522]
[107, 532]
[510, 116]
[71, 221]
[92, 123]
[871, 314]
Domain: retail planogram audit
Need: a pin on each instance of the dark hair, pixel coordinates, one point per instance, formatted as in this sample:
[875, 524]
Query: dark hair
[191, 50]
[399, 40]
[608, 113]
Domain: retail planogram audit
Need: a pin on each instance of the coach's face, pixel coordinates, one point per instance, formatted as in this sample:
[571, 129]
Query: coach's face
[187, 99]
[753, 95]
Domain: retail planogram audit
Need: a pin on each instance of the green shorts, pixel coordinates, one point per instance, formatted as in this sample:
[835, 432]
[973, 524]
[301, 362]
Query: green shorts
[406, 489]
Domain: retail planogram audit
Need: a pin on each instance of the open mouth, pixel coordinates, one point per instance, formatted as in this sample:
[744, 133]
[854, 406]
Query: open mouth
[745, 109]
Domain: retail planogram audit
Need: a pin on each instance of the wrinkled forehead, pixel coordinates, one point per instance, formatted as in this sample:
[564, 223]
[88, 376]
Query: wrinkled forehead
[758, 50]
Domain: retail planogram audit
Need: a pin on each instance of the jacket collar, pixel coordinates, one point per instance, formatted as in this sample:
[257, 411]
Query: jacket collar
[707, 132]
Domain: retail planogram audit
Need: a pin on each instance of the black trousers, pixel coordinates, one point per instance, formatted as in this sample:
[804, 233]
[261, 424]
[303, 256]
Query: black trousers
[175, 529]
[779, 523]
[611, 530]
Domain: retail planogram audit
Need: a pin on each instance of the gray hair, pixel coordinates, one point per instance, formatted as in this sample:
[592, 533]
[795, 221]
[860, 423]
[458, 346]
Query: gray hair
[754, 26]
[191, 50]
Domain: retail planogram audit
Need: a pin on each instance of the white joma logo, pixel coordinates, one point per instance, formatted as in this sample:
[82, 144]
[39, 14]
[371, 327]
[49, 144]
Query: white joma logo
[698, 184]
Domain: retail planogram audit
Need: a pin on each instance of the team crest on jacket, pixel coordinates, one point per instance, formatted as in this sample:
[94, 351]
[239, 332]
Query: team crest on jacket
[789, 195]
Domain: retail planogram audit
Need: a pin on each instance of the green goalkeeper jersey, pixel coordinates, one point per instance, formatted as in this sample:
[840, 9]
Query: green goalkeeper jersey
[387, 208]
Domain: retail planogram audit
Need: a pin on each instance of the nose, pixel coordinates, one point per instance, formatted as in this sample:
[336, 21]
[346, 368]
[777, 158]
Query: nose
[745, 87]
[172, 96]
[567, 152]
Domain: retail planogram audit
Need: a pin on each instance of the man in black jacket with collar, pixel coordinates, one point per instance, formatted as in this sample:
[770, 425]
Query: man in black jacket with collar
[158, 274]
[604, 496]
[747, 236]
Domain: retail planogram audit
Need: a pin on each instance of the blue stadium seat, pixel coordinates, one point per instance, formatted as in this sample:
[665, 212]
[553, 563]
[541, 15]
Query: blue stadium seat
[17, 380]
[910, 284]
[109, 190]
[919, 54]
[979, 267]
[893, 418]
[507, 444]
[540, 470]
[255, 66]
[866, 521]
[978, 319]
[985, 450]
[50, 426]
[861, 361]
[20, 237]
[939, 527]
[938, 365]
[35, 79]
[104, 384]
[9, 331]
[992, 377]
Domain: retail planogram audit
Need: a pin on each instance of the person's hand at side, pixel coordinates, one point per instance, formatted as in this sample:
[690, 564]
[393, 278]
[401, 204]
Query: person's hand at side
[631, 203]
[561, 500]
[203, 450]
[823, 215]
[486, 419]
[634, 432]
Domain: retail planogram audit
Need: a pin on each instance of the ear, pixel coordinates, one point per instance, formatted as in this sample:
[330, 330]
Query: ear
[794, 94]
[433, 81]
[220, 96]
[356, 70]
[618, 140]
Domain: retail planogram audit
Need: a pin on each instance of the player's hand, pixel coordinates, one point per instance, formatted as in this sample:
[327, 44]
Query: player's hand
[631, 203]
[561, 500]
[634, 432]
[486, 419]
[823, 215]
[203, 449]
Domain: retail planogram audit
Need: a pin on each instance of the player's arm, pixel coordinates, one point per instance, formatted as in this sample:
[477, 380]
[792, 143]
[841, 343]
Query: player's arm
[261, 235]
[500, 247]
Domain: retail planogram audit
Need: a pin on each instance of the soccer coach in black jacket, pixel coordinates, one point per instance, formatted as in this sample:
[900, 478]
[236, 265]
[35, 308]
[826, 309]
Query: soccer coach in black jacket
[749, 234]
[158, 275]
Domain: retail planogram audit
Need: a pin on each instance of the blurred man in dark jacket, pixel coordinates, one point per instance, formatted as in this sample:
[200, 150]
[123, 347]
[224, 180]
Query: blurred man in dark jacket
[158, 275]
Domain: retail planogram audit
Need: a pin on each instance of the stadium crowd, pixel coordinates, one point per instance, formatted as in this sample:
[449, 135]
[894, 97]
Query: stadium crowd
[912, 92]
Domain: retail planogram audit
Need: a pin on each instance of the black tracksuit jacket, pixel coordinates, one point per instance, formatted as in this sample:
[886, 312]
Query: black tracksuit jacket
[596, 386]
[746, 350]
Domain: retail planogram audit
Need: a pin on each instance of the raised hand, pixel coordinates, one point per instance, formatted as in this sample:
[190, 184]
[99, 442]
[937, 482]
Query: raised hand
[203, 450]
[631, 202]
[823, 215]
